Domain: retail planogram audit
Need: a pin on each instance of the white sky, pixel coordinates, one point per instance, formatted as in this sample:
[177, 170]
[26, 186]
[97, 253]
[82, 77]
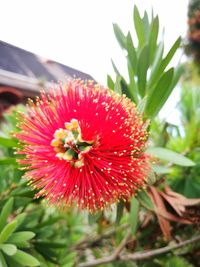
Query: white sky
[79, 33]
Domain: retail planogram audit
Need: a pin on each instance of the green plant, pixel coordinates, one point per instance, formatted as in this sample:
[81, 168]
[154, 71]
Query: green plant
[151, 81]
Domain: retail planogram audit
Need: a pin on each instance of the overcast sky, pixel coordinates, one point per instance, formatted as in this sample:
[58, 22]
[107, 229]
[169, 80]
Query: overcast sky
[79, 33]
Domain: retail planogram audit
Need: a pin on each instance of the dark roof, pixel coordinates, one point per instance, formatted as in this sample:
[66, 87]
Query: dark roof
[20, 61]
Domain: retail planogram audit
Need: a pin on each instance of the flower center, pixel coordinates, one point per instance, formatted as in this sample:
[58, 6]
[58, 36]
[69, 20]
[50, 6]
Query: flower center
[69, 145]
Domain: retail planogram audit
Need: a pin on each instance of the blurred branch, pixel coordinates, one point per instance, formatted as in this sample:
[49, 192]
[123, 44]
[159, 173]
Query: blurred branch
[86, 242]
[138, 256]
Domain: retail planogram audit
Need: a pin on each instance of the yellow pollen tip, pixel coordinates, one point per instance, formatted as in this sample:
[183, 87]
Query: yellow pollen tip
[55, 142]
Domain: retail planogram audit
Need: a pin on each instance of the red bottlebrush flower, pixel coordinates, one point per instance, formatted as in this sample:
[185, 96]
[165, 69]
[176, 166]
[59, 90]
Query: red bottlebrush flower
[84, 144]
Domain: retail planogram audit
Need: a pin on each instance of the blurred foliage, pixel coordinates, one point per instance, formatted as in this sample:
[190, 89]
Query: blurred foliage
[34, 233]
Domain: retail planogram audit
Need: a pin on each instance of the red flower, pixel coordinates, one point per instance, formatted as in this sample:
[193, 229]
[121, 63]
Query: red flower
[84, 144]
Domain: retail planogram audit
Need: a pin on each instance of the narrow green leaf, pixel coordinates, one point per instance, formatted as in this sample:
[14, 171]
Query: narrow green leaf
[164, 63]
[139, 28]
[117, 87]
[25, 259]
[146, 25]
[2, 261]
[120, 209]
[132, 56]
[110, 82]
[21, 236]
[121, 38]
[153, 38]
[6, 211]
[8, 249]
[114, 67]
[141, 105]
[156, 64]
[8, 142]
[170, 156]
[170, 54]
[8, 161]
[132, 84]
[178, 71]
[142, 67]
[7, 231]
[134, 215]
[127, 90]
[145, 200]
[159, 94]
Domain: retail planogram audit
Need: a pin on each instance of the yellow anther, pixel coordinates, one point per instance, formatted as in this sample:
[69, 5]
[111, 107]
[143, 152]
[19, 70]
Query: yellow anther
[55, 142]
[59, 134]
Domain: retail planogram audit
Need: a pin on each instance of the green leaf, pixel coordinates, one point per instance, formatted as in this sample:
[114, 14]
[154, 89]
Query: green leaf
[145, 200]
[110, 82]
[164, 63]
[121, 38]
[8, 142]
[20, 218]
[6, 211]
[25, 259]
[146, 25]
[141, 105]
[126, 89]
[114, 67]
[132, 86]
[170, 54]
[2, 261]
[160, 94]
[142, 67]
[132, 56]
[8, 249]
[171, 156]
[139, 28]
[178, 71]
[156, 64]
[8, 161]
[134, 215]
[161, 169]
[153, 38]
[21, 236]
[69, 259]
[120, 209]
[7, 231]
[117, 87]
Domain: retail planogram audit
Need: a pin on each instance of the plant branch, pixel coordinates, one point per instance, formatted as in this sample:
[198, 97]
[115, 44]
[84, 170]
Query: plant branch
[138, 256]
[86, 242]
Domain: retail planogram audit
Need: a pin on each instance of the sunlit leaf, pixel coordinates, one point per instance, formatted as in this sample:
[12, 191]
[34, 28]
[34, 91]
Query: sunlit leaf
[2, 261]
[7, 209]
[25, 259]
[134, 215]
[121, 38]
[7, 231]
[8, 249]
[170, 156]
[159, 94]
[139, 28]
[142, 67]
